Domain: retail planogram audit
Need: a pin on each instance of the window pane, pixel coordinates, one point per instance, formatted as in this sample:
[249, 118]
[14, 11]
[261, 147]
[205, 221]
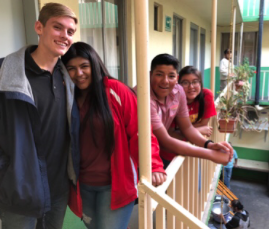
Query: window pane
[193, 45]
[91, 24]
[177, 39]
[112, 37]
[101, 26]
[156, 18]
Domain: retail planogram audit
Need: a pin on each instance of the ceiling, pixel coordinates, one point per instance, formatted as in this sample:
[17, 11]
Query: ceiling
[224, 7]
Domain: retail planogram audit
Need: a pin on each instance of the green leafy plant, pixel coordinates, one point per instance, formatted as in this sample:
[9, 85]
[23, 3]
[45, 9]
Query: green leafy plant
[230, 106]
[244, 71]
[241, 80]
[233, 113]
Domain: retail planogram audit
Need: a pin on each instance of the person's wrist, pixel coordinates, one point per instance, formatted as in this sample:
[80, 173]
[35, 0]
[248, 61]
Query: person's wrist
[208, 143]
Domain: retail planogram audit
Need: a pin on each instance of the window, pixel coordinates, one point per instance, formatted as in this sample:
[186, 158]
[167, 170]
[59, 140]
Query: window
[158, 15]
[193, 45]
[102, 26]
[177, 39]
[202, 51]
[249, 46]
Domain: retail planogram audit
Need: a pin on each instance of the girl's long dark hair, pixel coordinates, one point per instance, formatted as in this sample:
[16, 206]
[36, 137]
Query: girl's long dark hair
[200, 98]
[98, 99]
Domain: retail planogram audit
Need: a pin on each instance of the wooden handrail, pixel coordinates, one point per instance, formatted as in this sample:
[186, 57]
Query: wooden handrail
[171, 171]
[172, 206]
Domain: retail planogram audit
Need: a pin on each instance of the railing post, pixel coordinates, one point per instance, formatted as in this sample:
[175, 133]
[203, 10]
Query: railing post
[213, 45]
[179, 193]
[160, 217]
[192, 184]
[143, 95]
[186, 194]
[171, 191]
[234, 23]
[196, 187]
[241, 39]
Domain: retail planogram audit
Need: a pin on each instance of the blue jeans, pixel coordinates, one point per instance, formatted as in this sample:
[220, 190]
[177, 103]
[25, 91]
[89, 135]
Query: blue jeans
[227, 176]
[53, 218]
[97, 213]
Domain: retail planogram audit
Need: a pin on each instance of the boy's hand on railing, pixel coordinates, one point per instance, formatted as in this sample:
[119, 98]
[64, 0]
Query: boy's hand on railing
[205, 130]
[219, 157]
[225, 146]
[158, 178]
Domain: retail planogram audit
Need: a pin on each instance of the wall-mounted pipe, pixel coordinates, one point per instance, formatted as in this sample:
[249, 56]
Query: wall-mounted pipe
[259, 53]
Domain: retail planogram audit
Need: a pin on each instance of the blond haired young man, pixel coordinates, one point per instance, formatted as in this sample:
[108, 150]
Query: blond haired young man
[36, 106]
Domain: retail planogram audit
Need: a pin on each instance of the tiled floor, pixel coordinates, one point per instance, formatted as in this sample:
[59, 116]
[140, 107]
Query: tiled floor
[255, 198]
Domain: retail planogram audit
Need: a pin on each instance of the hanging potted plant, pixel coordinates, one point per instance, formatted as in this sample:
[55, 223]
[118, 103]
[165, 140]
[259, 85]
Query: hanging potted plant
[243, 72]
[233, 112]
[228, 112]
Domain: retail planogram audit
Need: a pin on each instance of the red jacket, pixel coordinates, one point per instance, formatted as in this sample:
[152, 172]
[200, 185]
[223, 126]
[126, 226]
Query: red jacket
[124, 160]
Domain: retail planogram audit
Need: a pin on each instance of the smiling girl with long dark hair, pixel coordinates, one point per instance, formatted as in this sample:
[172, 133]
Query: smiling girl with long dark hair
[108, 143]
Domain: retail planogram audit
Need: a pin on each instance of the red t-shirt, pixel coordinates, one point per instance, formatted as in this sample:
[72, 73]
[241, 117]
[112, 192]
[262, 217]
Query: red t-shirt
[209, 110]
[95, 166]
[193, 107]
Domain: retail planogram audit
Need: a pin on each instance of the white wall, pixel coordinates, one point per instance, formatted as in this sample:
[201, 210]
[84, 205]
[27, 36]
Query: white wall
[12, 26]
[162, 42]
[252, 139]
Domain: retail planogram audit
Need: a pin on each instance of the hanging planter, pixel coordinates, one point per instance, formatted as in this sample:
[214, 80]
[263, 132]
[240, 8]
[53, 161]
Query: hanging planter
[228, 113]
[227, 125]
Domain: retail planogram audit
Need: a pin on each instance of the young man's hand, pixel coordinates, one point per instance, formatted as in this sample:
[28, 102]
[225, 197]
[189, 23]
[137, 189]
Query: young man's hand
[219, 157]
[158, 178]
[222, 146]
[205, 130]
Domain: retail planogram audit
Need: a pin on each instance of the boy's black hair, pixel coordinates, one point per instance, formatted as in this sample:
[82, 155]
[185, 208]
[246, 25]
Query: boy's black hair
[200, 98]
[227, 51]
[164, 59]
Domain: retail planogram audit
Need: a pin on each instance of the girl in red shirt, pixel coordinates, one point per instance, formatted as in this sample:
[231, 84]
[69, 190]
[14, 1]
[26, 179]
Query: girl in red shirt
[107, 184]
[200, 103]
[200, 100]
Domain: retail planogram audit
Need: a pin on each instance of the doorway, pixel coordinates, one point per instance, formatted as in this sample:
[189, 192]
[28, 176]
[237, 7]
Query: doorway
[202, 52]
[177, 39]
[193, 45]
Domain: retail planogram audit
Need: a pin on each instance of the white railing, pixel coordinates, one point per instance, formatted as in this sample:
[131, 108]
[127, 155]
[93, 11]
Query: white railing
[181, 202]
[264, 82]
[181, 195]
